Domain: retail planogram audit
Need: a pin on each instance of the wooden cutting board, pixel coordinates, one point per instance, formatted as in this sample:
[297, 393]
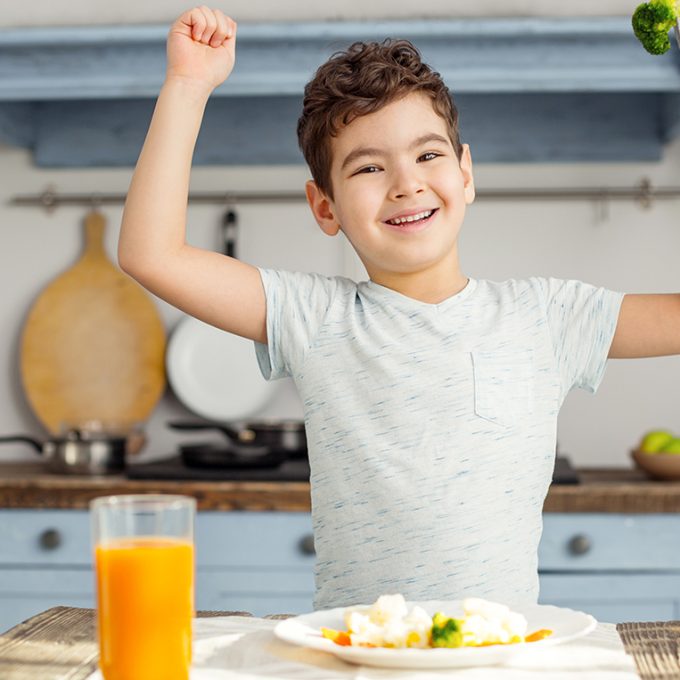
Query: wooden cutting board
[93, 346]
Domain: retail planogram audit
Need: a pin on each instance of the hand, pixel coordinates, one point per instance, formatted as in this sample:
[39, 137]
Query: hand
[201, 47]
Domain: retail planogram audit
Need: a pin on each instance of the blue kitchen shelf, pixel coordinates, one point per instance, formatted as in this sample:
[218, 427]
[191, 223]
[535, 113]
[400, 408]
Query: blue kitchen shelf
[528, 89]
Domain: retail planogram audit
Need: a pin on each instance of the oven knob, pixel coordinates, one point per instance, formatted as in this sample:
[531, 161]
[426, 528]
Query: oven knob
[306, 545]
[50, 539]
[579, 544]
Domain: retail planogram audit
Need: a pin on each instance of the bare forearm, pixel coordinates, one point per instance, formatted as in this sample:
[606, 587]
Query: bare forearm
[154, 219]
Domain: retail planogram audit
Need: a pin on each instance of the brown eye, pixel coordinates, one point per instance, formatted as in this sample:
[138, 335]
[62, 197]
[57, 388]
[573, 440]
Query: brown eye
[368, 170]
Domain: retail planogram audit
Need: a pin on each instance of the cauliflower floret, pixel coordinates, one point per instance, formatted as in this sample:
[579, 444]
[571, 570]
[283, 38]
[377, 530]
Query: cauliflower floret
[418, 617]
[516, 625]
[385, 608]
[476, 629]
[419, 625]
[388, 623]
[350, 615]
[490, 622]
[395, 633]
[485, 608]
[362, 631]
[388, 608]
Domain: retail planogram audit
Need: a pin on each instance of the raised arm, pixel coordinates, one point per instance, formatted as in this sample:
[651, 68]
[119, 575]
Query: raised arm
[648, 326]
[152, 248]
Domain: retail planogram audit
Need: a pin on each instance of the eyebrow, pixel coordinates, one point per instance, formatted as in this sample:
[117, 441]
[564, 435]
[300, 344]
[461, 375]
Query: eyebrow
[372, 151]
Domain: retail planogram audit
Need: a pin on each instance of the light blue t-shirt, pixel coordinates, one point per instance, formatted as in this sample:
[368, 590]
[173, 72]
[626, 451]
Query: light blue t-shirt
[432, 427]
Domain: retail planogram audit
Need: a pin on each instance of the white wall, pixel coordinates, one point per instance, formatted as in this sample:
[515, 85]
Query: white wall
[632, 250]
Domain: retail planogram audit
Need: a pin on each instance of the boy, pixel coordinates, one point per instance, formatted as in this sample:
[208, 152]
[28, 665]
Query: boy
[430, 398]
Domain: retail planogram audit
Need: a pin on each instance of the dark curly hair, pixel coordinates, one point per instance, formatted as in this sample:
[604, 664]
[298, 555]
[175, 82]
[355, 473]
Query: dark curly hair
[360, 80]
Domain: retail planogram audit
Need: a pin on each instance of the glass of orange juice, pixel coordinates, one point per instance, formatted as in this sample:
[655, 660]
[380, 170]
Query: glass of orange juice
[144, 562]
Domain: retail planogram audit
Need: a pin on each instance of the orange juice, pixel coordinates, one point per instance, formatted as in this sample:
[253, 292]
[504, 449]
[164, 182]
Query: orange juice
[145, 592]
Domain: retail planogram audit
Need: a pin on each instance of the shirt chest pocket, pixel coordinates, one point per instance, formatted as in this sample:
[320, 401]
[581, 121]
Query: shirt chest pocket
[503, 385]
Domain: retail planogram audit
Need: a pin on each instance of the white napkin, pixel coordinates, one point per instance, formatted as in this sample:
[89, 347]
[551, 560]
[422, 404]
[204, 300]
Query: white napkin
[244, 648]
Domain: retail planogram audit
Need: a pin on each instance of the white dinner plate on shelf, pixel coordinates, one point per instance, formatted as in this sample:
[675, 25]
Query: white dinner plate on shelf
[215, 373]
[305, 630]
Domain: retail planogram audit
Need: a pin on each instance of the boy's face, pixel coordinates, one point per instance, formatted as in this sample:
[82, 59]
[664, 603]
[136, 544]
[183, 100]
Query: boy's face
[387, 165]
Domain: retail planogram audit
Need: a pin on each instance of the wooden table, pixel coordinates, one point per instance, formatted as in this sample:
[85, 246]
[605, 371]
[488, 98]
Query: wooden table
[60, 644]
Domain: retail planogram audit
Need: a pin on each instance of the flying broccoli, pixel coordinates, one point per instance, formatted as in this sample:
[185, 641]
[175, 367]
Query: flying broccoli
[446, 631]
[652, 21]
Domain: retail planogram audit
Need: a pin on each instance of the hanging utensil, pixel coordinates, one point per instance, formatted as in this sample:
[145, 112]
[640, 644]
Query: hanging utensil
[78, 453]
[93, 344]
[229, 232]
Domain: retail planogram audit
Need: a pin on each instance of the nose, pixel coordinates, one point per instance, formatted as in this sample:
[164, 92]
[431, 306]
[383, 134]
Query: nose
[407, 182]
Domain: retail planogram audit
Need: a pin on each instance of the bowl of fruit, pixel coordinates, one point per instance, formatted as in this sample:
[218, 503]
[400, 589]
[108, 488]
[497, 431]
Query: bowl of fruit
[658, 454]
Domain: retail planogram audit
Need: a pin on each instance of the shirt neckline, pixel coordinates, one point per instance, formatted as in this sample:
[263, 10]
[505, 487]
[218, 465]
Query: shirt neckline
[456, 298]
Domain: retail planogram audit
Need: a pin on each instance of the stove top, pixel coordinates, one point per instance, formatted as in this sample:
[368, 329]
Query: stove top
[173, 468]
[564, 472]
[288, 471]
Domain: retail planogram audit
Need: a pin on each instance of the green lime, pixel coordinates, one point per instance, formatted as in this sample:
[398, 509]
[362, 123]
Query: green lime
[656, 441]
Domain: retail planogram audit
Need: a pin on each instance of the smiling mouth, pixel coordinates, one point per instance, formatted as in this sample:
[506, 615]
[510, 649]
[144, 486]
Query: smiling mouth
[411, 224]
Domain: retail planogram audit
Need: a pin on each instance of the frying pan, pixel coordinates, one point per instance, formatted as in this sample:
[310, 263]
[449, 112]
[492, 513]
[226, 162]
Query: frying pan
[286, 436]
[230, 457]
[214, 373]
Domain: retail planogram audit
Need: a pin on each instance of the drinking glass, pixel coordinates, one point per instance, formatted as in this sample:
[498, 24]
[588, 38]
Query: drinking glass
[144, 562]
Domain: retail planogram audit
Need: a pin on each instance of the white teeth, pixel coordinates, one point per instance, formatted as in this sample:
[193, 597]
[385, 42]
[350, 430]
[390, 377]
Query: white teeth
[411, 218]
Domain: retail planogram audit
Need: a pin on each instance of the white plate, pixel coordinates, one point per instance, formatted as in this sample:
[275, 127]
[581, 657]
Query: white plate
[214, 373]
[305, 630]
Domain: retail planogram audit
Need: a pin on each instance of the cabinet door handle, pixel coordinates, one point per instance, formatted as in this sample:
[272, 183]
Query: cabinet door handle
[306, 545]
[50, 539]
[579, 544]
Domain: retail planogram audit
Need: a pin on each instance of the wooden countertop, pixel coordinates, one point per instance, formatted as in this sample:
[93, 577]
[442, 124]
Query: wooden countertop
[28, 485]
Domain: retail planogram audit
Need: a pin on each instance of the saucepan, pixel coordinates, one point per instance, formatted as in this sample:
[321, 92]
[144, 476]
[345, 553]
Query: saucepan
[286, 436]
[78, 453]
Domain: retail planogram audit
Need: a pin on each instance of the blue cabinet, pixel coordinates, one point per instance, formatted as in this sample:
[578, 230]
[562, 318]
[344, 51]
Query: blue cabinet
[616, 567]
[615, 597]
[245, 561]
[261, 562]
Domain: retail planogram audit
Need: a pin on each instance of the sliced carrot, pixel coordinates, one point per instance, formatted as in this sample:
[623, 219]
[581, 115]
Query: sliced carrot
[340, 637]
[538, 635]
[343, 639]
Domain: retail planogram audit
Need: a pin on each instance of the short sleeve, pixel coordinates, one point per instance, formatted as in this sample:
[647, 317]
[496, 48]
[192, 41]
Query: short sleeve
[297, 305]
[582, 320]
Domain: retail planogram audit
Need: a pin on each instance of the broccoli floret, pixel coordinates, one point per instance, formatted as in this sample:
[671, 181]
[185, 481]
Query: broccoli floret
[446, 631]
[652, 21]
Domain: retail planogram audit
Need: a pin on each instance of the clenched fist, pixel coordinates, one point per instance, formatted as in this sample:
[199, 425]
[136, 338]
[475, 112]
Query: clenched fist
[201, 47]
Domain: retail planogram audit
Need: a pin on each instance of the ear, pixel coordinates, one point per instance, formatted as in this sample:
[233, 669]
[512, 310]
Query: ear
[466, 169]
[322, 208]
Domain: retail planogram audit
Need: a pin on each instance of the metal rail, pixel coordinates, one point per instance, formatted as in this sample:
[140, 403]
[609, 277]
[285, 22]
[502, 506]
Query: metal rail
[644, 194]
